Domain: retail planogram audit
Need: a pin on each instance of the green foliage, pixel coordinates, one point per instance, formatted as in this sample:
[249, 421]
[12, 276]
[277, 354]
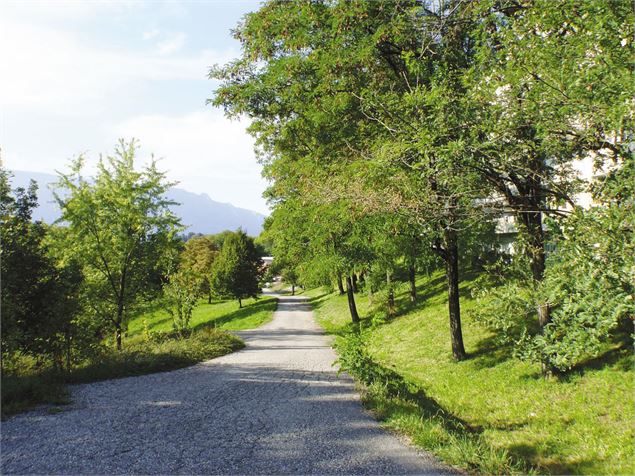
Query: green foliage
[588, 284]
[380, 122]
[121, 231]
[41, 301]
[197, 259]
[238, 268]
[180, 295]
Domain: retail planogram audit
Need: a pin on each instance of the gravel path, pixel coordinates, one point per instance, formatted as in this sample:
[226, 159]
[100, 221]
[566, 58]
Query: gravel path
[276, 407]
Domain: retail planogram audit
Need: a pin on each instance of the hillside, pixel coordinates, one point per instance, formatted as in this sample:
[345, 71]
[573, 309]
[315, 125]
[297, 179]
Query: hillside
[489, 414]
[198, 211]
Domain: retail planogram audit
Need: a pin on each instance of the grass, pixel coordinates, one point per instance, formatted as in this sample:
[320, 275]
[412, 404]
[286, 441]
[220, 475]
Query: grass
[490, 413]
[224, 315]
[150, 346]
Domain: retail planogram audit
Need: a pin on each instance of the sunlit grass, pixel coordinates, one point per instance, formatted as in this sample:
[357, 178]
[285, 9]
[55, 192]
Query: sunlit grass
[221, 314]
[582, 423]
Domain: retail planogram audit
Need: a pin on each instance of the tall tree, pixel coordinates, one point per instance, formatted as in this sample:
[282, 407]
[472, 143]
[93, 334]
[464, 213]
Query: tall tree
[121, 230]
[40, 298]
[361, 102]
[552, 84]
[238, 268]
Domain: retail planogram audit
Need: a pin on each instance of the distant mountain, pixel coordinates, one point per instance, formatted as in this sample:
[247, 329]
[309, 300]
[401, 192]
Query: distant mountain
[198, 211]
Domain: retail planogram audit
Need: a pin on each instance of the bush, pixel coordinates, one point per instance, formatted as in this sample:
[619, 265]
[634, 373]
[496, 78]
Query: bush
[180, 298]
[588, 285]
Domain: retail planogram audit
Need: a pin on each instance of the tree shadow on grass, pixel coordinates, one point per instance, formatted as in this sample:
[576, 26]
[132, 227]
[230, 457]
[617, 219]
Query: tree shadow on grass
[550, 464]
[620, 357]
[319, 300]
[490, 352]
[391, 393]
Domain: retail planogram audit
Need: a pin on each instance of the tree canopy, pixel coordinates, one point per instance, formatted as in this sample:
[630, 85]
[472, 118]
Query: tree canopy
[120, 228]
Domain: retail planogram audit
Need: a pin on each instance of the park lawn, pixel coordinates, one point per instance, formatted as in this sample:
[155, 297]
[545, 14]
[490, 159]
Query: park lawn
[491, 413]
[224, 315]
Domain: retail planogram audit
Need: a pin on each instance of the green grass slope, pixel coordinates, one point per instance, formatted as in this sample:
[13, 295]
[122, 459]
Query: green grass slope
[490, 413]
[224, 315]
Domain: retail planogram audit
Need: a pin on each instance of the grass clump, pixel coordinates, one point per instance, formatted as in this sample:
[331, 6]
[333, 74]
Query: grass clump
[167, 352]
[491, 413]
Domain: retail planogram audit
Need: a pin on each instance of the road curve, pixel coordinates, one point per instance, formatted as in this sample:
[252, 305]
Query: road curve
[276, 407]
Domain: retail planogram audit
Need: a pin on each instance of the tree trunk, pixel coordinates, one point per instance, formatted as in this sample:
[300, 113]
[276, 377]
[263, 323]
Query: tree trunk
[340, 285]
[391, 296]
[67, 339]
[209, 298]
[118, 335]
[240, 303]
[120, 307]
[351, 300]
[293, 290]
[354, 277]
[532, 222]
[412, 277]
[454, 307]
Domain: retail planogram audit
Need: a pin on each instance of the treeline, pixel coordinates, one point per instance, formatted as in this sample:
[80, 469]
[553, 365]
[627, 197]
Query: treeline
[397, 133]
[71, 288]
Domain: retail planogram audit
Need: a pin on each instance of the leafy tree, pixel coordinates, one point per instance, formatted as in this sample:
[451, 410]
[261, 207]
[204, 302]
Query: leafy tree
[197, 258]
[218, 239]
[120, 229]
[238, 268]
[360, 102]
[443, 113]
[551, 84]
[40, 298]
[588, 283]
[180, 295]
[290, 276]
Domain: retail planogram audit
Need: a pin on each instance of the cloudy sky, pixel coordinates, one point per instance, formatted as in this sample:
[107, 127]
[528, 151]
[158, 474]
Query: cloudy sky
[78, 75]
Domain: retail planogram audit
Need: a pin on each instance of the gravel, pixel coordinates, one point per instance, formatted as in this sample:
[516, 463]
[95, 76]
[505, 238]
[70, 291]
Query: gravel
[276, 407]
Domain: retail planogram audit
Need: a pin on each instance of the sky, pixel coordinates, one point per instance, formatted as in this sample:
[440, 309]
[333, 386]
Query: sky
[78, 75]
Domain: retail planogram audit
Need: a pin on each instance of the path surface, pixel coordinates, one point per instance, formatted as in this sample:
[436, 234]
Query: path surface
[275, 407]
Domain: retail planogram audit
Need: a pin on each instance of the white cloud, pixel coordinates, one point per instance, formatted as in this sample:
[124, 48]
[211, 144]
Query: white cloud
[48, 69]
[61, 94]
[65, 10]
[204, 151]
[171, 44]
[150, 34]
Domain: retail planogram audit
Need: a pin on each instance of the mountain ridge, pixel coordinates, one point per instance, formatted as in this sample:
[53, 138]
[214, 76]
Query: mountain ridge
[197, 211]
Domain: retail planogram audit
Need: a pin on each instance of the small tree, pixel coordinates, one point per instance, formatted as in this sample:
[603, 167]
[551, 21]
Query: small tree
[198, 258]
[238, 268]
[290, 276]
[181, 295]
[121, 230]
